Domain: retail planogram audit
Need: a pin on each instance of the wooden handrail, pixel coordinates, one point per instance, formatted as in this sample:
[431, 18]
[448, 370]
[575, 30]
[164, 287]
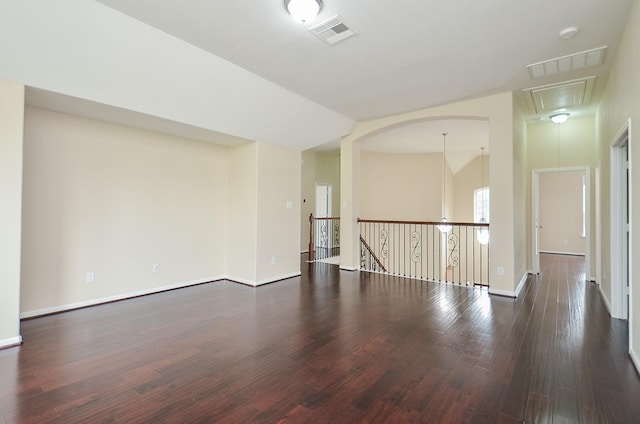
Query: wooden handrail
[312, 247]
[373, 254]
[461, 224]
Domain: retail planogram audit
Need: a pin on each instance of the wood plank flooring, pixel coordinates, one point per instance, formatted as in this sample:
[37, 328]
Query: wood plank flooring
[330, 347]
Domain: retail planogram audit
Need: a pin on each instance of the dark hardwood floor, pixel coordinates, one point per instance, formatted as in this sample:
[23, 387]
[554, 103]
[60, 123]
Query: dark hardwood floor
[330, 347]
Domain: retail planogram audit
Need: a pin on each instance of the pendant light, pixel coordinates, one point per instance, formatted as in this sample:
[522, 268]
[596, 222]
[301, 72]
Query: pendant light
[483, 233]
[444, 227]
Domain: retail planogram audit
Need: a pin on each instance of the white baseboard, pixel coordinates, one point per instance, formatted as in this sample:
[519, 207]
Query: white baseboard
[604, 300]
[555, 252]
[503, 293]
[261, 282]
[508, 293]
[7, 343]
[349, 268]
[92, 302]
[635, 360]
[523, 280]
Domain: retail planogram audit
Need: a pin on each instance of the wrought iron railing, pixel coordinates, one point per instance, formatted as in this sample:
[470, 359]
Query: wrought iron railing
[419, 250]
[324, 237]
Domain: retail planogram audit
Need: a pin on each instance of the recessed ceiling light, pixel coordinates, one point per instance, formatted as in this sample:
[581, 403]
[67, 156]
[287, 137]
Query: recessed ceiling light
[568, 32]
[559, 118]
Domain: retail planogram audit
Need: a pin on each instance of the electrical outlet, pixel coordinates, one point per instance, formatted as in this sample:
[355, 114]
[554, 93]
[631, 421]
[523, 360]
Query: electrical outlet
[273, 260]
[91, 277]
[500, 270]
[156, 267]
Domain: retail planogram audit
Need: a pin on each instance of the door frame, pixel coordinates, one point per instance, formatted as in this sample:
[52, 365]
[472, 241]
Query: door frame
[535, 213]
[621, 267]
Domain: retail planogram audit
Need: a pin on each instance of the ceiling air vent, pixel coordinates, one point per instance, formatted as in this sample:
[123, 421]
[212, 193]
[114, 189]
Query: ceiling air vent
[568, 63]
[333, 30]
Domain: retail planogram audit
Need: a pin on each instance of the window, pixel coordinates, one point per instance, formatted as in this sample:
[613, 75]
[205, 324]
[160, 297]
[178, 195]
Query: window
[481, 204]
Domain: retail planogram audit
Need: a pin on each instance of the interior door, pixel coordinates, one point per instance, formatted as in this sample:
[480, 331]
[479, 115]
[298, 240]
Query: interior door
[536, 222]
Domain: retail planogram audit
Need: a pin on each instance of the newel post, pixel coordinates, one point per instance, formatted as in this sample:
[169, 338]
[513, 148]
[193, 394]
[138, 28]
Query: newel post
[310, 237]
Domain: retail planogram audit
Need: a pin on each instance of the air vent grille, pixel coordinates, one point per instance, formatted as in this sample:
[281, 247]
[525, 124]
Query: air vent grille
[568, 63]
[333, 30]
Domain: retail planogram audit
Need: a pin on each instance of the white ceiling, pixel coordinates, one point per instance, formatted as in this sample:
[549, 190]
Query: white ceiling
[409, 54]
[181, 61]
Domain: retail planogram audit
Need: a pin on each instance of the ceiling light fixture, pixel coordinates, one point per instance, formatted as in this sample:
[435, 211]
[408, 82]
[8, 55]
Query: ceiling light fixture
[559, 118]
[303, 11]
[444, 227]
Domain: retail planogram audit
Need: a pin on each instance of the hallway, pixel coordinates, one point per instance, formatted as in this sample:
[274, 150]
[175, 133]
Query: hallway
[330, 346]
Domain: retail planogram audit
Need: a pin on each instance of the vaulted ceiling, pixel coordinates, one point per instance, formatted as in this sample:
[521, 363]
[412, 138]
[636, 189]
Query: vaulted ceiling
[244, 70]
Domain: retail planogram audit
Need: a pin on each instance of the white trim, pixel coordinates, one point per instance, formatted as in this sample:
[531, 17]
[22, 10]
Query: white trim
[605, 300]
[618, 295]
[598, 221]
[349, 268]
[535, 199]
[635, 360]
[93, 302]
[504, 293]
[523, 280]
[262, 282]
[12, 342]
[556, 252]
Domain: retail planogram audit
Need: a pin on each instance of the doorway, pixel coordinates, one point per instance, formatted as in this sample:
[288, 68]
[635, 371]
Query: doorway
[620, 231]
[561, 214]
[324, 206]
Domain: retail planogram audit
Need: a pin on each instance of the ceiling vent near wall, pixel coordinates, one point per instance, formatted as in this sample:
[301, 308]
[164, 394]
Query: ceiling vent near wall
[333, 30]
[563, 95]
[569, 63]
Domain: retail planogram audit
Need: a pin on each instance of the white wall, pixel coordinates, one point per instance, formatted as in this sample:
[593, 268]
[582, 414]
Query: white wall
[520, 186]
[278, 235]
[406, 187]
[242, 213]
[115, 200]
[328, 172]
[619, 104]
[11, 161]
